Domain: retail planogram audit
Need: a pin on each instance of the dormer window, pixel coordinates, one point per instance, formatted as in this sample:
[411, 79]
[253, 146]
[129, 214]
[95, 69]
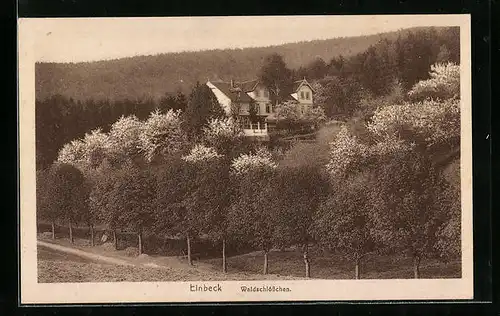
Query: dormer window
[302, 94]
[257, 93]
[307, 95]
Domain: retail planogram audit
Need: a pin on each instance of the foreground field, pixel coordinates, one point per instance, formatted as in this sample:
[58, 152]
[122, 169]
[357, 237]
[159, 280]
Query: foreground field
[57, 266]
[336, 267]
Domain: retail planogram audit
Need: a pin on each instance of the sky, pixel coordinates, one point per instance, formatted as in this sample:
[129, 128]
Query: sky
[90, 39]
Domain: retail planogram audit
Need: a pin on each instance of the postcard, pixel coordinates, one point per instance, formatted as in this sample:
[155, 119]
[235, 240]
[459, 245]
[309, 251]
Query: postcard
[245, 158]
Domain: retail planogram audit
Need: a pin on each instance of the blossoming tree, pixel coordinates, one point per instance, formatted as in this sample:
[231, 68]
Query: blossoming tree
[224, 135]
[210, 194]
[162, 135]
[131, 200]
[125, 138]
[444, 83]
[250, 217]
[400, 146]
[294, 195]
[346, 222]
[88, 152]
[172, 216]
[64, 195]
[292, 116]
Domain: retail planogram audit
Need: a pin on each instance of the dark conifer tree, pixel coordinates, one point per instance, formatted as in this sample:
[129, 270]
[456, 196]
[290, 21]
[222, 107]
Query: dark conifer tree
[202, 107]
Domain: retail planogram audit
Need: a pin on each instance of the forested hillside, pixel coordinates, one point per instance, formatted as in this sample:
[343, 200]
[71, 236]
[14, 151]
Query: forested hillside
[78, 98]
[153, 76]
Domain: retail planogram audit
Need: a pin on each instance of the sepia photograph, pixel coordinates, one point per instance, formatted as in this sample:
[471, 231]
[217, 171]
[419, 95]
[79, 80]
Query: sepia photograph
[250, 158]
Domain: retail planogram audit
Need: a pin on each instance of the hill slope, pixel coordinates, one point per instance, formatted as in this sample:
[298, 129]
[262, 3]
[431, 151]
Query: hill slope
[153, 76]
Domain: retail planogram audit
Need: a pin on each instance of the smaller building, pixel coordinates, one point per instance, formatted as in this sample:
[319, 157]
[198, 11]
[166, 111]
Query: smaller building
[250, 101]
[303, 92]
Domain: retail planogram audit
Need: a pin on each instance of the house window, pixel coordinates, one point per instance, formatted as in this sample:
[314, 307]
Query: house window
[302, 94]
[268, 108]
[307, 95]
[257, 93]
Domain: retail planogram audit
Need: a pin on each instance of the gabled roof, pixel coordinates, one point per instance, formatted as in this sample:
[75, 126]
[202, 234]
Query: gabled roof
[289, 97]
[299, 83]
[247, 86]
[240, 89]
[237, 95]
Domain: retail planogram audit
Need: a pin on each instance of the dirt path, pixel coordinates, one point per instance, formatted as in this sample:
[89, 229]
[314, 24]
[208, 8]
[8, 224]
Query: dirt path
[110, 268]
[81, 253]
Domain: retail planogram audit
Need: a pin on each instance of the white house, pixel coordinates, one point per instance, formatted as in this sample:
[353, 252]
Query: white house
[237, 97]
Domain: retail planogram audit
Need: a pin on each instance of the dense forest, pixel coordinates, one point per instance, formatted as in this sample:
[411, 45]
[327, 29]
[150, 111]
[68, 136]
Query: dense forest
[73, 99]
[153, 76]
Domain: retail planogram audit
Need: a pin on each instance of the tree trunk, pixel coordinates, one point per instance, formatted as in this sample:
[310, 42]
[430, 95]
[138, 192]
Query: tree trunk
[139, 237]
[266, 262]
[115, 239]
[306, 262]
[53, 230]
[164, 247]
[357, 269]
[188, 241]
[416, 267]
[92, 235]
[224, 263]
[70, 232]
